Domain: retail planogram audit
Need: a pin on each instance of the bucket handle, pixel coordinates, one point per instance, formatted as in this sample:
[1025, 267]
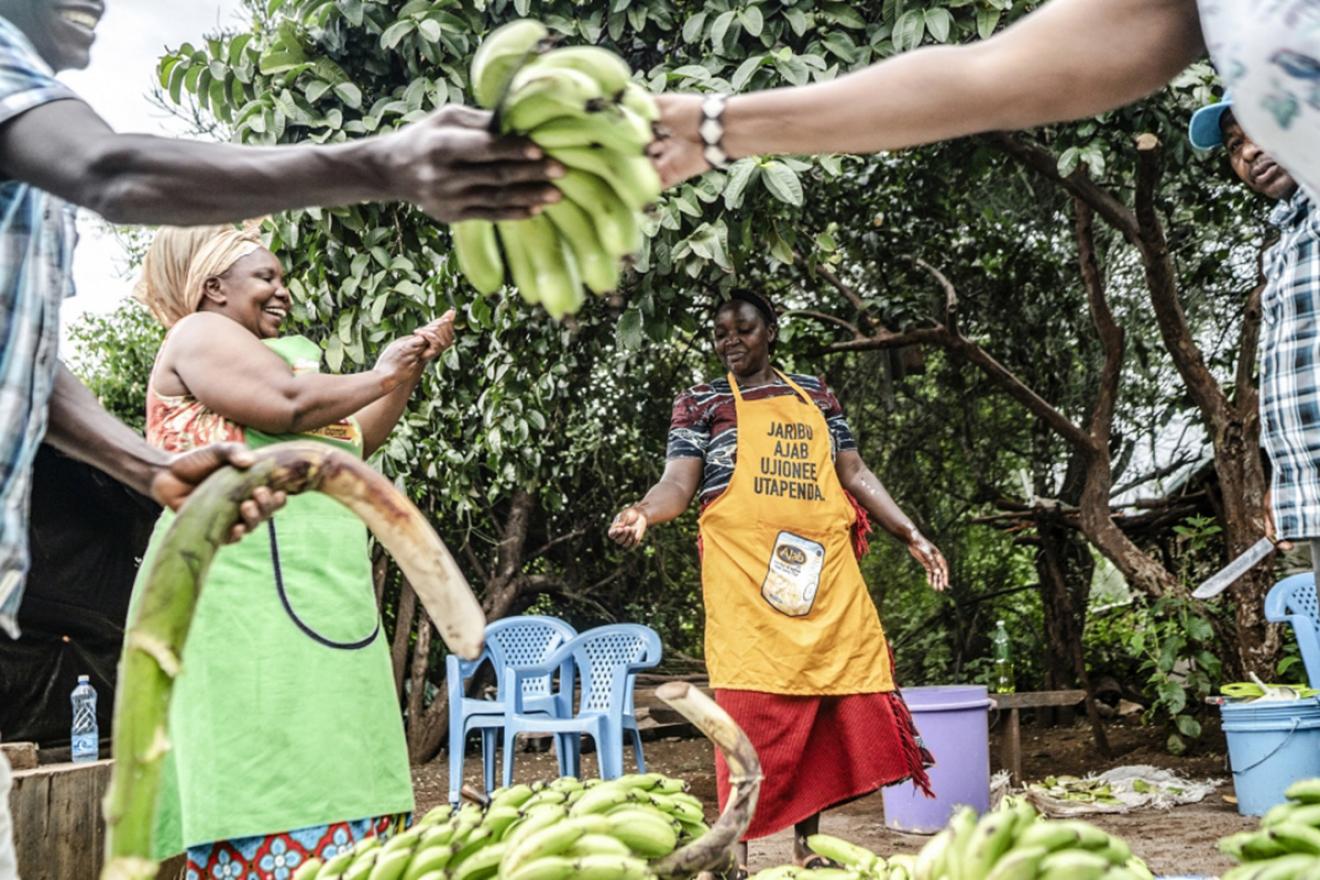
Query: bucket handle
[1274, 751]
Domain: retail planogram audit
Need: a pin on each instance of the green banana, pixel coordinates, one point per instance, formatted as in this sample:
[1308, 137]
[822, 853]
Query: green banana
[542, 868]
[308, 870]
[479, 259]
[362, 865]
[482, 865]
[615, 127]
[634, 178]
[404, 840]
[429, 859]
[1306, 791]
[646, 832]
[991, 838]
[681, 810]
[1052, 836]
[931, 858]
[962, 824]
[616, 225]
[498, 819]
[390, 864]
[1282, 868]
[1073, 864]
[641, 102]
[598, 844]
[550, 841]
[1296, 838]
[338, 865]
[1021, 863]
[558, 284]
[538, 95]
[845, 853]
[520, 266]
[479, 839]
[607, 69]
[500, 55]
[602, 797]
[603, 867]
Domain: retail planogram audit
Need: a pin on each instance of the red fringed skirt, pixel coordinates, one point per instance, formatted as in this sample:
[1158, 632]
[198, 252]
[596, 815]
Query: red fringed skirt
[818, 752]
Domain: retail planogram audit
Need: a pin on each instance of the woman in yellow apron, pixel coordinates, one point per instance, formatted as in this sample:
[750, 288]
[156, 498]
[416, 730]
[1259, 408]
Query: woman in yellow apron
[287, 738]
[794, 645]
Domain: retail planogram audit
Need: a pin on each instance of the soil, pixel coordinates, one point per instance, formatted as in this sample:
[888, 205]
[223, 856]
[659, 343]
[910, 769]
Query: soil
[1175, 842]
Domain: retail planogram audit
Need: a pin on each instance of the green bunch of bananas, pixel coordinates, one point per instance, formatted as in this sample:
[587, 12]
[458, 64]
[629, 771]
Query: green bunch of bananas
[545, 831]
[580, 105]
[1073, 788]
[1287, 844]
[1011, 843]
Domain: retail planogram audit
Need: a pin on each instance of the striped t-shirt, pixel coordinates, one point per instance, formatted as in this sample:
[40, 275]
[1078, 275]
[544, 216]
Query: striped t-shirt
[705, 425]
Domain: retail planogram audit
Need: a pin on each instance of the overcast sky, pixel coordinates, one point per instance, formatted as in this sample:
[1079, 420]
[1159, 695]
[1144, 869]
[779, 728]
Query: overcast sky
[131, 37]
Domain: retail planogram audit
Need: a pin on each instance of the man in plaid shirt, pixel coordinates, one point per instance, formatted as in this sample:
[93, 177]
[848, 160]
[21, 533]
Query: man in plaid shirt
[55, 152]
[1290, 327]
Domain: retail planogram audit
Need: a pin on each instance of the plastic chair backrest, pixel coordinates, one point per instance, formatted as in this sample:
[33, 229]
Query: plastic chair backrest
[1298, 595]
[525, 641]
[606, 657]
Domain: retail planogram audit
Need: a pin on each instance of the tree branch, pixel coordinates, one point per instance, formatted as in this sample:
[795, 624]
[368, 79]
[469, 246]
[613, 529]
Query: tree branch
[555, 542]
[950, 316]
[509, 556]
[1246, 396]
[1110, 333]
[829, 319]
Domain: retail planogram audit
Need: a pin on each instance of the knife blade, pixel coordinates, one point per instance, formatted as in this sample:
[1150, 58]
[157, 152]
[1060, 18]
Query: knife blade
[1230, 573]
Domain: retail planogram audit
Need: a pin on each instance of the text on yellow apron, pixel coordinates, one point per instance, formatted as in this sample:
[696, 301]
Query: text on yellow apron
[787, 611]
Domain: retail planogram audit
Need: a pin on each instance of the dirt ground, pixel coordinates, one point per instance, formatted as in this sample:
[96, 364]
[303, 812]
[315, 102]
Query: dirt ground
[1173, 842]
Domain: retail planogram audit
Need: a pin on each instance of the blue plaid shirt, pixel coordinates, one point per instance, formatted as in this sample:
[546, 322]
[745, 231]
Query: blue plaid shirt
[36, 255]
[1290, 367]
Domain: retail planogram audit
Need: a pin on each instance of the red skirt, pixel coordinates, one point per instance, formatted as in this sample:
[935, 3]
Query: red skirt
[818, 752]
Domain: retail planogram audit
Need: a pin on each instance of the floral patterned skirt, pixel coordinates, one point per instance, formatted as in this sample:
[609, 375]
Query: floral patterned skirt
[277, 856]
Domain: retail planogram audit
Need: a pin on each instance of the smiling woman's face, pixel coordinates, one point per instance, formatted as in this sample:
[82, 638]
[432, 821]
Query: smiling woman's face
[742, 338]
[251, 292]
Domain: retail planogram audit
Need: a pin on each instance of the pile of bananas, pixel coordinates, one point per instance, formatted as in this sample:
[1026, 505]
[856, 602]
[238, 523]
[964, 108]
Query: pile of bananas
[1073, 788]
[580, 105]
[1011, 843]
[1287, 844]
[546, 831]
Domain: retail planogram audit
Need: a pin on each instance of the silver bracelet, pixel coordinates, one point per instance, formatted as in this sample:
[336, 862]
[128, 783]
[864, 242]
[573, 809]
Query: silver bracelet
[712, 131]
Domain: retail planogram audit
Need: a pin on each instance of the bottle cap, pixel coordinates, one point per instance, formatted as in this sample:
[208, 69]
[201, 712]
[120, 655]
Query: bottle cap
[82, 679]
[999, 623]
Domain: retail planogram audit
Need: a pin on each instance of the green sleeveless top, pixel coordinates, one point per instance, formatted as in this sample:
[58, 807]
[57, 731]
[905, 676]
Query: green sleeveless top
[284, 716]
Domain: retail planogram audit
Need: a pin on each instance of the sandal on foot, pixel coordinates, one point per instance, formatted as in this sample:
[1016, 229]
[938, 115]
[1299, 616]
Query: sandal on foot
[814, 862]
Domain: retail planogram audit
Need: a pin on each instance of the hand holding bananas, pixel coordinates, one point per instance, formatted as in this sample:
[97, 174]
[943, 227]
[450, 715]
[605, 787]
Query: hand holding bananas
[546, 831]
[1287, 845]
[579, 104]
[1011, 843]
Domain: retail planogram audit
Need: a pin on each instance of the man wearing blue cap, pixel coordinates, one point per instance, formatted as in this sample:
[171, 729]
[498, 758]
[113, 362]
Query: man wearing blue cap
[1290, 327]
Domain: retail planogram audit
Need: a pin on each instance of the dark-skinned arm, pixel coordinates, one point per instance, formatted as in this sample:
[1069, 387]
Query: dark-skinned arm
[230, 372]
[447, 164]
[665, 501]
[82, 429]
[866, 487]
[378, 419]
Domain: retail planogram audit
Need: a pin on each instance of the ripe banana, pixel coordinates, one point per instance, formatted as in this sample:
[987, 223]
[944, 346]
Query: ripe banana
[499, 57]
[479, 257]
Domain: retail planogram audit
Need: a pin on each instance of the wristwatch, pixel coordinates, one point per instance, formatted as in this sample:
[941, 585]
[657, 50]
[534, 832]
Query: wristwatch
[712, 131]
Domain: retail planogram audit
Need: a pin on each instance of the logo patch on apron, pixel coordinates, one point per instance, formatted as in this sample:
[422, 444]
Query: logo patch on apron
[793, 574]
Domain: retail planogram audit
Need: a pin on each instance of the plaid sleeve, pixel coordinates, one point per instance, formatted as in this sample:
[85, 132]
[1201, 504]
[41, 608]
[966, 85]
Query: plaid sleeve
[689, 428]
[25, 80]
[840, 433]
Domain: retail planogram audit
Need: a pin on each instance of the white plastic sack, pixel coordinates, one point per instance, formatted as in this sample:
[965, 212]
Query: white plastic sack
[1137, 787]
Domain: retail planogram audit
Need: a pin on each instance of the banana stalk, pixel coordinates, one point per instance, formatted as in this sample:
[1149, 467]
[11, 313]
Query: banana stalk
[155, 638]
[713, 851]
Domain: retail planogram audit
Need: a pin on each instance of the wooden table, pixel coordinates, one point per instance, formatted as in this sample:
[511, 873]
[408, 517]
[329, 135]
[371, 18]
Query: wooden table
[1011, 747]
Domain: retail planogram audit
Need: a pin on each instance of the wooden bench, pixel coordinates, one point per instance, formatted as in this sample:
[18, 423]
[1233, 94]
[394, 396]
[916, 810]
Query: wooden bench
[1010, 750]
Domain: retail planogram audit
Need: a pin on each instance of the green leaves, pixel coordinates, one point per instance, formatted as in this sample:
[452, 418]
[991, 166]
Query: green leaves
[909, 30]
[782, 182]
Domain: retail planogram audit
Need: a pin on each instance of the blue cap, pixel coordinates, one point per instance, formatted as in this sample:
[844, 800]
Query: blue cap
[1204, 131]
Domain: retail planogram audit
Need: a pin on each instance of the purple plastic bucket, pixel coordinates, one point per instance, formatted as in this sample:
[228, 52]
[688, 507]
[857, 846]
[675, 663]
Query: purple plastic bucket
[953, 722]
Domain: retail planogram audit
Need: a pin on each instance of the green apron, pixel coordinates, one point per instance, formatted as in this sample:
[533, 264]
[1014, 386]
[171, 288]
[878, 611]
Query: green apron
[284, 716]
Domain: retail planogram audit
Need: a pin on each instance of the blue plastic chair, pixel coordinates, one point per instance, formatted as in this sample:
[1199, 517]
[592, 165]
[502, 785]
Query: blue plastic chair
[1293, 601]
[511, 643]
[607, 660]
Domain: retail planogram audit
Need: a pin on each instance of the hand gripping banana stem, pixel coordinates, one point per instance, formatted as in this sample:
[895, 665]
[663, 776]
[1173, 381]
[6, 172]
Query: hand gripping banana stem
[714, 849]
[155, 638]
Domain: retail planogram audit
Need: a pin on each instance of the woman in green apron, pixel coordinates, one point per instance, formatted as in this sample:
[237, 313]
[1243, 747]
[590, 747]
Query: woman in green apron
[287, 738]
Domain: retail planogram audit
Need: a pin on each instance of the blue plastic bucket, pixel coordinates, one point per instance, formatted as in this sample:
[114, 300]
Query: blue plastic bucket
[953, 722]
[1270, 746]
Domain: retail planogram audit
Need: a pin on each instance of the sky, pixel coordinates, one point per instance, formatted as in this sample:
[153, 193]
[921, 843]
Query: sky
[131, 37]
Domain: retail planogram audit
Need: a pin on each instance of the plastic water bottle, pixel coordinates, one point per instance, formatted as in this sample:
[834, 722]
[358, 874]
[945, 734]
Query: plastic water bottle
[86, 740]
[1003, 680]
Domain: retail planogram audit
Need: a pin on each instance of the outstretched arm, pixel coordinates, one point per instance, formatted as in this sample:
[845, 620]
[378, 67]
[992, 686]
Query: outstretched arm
[378, 419]
[81, 428]
[447, 164]
[666, 500]
[866, 487]
[1067, 60]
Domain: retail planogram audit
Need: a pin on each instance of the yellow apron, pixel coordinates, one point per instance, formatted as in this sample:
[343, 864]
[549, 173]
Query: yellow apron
[787, 611]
